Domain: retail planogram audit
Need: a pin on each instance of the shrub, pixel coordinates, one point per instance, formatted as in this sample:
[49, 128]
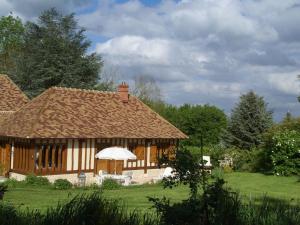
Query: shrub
[62, 184]
[283, 149]
[35, 180]
[227, 169]
[11, 182]
[83, 209]
[3, 189]
[110, 184]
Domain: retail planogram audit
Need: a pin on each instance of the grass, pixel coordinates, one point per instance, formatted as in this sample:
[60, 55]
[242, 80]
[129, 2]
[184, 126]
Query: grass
[135, 197]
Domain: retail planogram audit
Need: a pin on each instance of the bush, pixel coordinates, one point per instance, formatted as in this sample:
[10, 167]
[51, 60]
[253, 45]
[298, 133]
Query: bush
[35, 180]
[11, 182]
[283, 150]
[62, 184]
[3, 189]
[110, 184]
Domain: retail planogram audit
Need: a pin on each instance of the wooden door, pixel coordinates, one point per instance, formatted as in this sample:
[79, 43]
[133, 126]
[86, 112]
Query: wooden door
[115, 165]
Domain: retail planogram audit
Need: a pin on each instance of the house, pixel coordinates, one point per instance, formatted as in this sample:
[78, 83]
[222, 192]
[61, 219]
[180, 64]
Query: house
[58, 133]
[11, 99]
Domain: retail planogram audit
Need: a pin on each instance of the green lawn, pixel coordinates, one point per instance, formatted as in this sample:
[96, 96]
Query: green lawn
[135, 197]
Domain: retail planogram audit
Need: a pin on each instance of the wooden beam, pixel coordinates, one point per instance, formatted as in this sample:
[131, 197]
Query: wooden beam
[72, 167]
[40, 158]
[47, 158]
[53, 157]
[145, 156]
[60, 158]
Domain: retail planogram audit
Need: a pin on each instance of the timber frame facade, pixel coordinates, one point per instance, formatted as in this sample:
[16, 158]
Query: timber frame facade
[65, 156]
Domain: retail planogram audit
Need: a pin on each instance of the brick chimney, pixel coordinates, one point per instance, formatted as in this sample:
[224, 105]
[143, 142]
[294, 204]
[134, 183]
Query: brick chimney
[123, 92]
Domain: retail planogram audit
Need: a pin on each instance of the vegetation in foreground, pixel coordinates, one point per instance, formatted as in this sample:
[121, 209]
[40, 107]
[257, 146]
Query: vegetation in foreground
[216, 206]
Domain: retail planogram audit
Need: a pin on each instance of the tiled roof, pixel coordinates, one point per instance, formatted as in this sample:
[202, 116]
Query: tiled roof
[4, 115]
[11, 97]
[75, 113]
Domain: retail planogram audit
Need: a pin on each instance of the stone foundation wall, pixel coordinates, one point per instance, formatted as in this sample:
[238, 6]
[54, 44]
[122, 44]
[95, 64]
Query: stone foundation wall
[17, 176]
[138, 176]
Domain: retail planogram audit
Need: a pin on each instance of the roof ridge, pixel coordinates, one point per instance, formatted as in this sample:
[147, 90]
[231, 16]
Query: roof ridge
[41, 109]
[82, 90]
[15, 85]
[151, 110]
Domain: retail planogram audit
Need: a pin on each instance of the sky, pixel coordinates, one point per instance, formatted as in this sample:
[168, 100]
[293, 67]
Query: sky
[198, 51]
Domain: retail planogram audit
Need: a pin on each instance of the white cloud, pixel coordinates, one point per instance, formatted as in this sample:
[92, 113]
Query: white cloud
[136, 50]
[285, 82]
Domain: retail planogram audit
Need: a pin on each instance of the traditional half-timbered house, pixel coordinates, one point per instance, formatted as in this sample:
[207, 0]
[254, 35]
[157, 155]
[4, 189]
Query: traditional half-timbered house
[11, 99]
[58, 133]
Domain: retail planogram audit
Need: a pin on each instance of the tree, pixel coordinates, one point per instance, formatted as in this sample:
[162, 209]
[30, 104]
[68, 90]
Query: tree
[109, 76]
[146, 89]
[11, 41]
[198, 121]
[249, 120]
[55, 54]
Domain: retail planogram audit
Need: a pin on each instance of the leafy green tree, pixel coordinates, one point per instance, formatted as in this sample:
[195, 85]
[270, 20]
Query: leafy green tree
[11, 41]
[206, 121]
[249, 120]
[196, 121]
[55, 54]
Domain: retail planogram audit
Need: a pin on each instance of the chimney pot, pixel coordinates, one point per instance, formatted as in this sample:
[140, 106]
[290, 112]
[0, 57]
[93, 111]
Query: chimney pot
[123, 92]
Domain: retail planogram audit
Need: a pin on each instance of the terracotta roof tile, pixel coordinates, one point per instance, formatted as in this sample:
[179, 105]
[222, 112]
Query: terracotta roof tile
[11, 97]
[76, 113]
[4, 115]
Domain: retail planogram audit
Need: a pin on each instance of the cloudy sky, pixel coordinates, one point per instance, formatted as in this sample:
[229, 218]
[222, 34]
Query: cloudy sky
[199, 51]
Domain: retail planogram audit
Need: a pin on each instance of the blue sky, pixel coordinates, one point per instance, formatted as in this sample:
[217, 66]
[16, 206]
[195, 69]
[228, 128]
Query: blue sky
[198, 51]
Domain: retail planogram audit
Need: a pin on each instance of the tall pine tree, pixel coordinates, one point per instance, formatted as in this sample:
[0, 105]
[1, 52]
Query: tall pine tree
[55, 54]
[249, 120]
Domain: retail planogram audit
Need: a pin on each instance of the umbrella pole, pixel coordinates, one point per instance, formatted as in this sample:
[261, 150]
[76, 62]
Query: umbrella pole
[115, 167]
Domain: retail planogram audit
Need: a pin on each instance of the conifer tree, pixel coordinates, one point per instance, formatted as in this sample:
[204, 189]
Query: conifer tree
[55, 54]
[249, 120]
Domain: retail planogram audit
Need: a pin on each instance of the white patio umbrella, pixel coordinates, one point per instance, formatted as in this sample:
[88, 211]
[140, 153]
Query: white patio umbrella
[115, 153]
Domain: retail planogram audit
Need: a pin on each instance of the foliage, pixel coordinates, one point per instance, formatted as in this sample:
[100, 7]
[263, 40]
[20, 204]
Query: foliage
[288, 123]
[186, 170]
[84, 209]
[110, 184]
[12, 183]
[3, 189]
[196, 121]
[249, 161]
[62, 184]
[31, 179]
[217, 205]
[55, 54]
[284, 152]
[249, 120]
[11, 41]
